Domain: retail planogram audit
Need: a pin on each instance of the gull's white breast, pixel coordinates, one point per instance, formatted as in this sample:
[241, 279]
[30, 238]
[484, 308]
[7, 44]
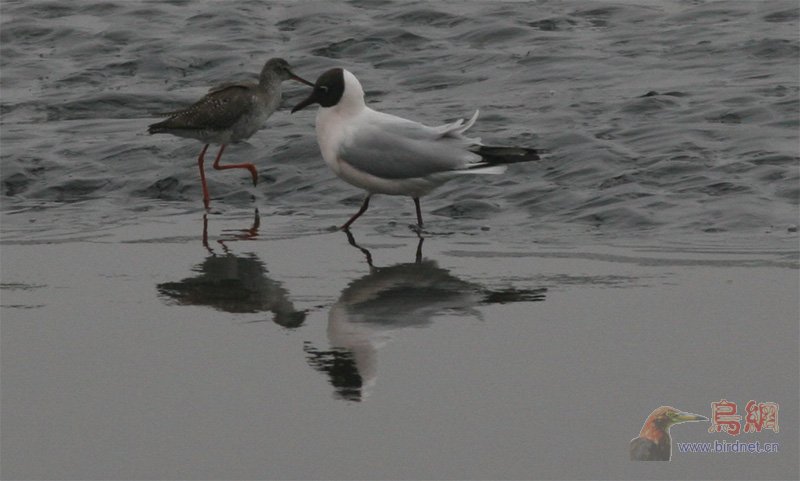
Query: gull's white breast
[330, 126]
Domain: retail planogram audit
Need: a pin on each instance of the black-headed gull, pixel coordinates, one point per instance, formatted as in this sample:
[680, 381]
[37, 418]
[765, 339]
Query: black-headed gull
[229, 113]
[386, 154]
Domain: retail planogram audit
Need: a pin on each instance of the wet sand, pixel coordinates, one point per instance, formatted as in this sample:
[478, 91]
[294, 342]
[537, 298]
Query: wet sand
[274, 351]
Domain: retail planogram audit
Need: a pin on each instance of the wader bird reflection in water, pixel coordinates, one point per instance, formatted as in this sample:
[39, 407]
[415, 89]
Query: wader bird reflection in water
[234, 283]
[389, 298]
[230, 113]
[654, 442]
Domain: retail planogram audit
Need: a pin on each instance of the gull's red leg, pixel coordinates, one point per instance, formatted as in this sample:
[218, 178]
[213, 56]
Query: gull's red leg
[246, 165]
[358, 214]
[419, 212]
[200, 160]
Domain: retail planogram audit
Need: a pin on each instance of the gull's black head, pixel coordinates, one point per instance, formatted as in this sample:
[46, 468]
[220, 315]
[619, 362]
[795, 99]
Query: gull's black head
[328, 90]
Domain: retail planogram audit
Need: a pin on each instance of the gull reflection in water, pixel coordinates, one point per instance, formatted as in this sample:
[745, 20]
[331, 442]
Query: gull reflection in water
[389, 298]
[234, 283]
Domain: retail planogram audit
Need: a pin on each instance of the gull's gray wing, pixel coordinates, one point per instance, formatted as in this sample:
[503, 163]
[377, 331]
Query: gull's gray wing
[394, 148]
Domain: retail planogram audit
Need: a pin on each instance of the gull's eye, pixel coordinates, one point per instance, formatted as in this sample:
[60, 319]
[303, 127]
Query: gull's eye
[323, 88]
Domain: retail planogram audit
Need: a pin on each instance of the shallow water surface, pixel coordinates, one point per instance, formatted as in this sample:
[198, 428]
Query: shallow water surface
[150, 353]
[666, 116]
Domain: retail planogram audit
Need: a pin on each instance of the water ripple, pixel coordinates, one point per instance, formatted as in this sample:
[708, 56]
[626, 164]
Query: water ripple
[668, 117]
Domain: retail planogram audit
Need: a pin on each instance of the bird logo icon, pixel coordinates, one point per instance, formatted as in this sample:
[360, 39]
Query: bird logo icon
[654, 442]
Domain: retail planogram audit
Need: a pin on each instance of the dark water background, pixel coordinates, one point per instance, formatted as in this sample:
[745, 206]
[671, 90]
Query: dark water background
[666, 117]
[650, 258]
